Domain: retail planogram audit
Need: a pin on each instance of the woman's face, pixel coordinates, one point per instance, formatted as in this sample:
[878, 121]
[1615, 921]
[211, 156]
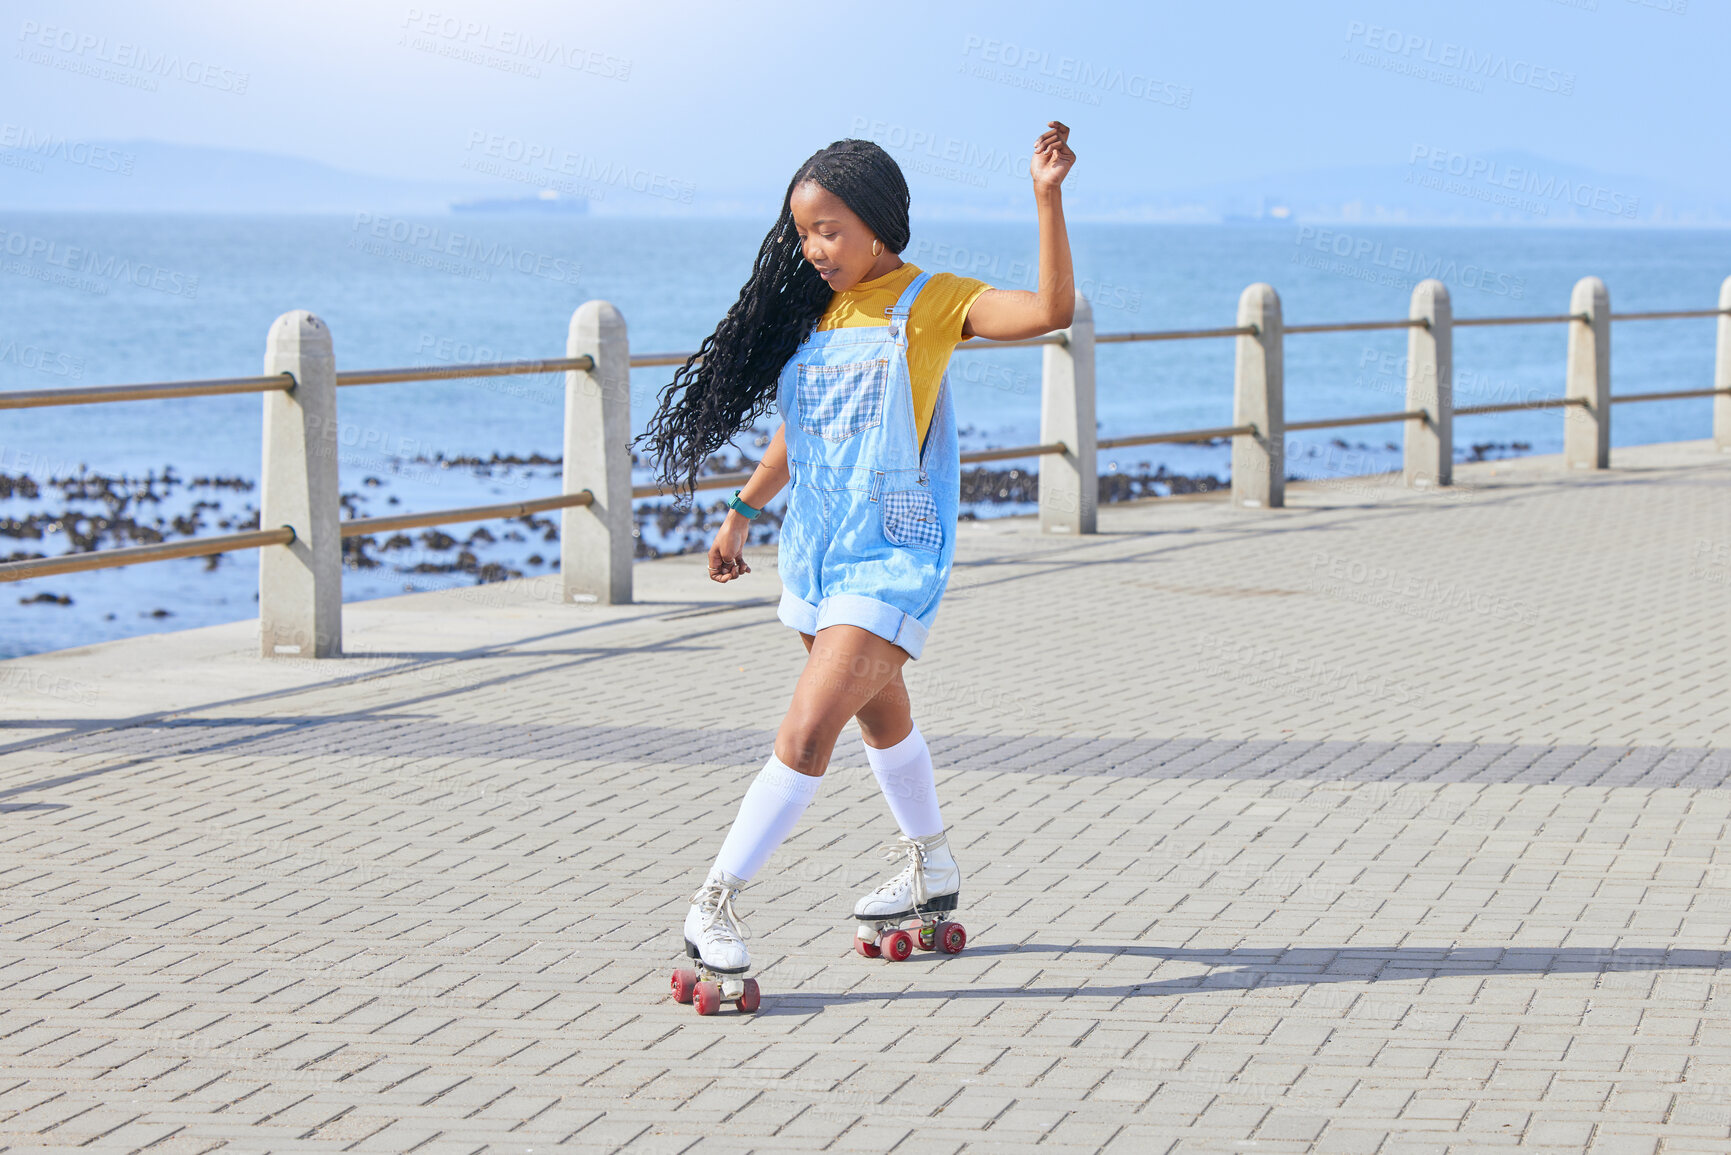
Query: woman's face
[834, 240]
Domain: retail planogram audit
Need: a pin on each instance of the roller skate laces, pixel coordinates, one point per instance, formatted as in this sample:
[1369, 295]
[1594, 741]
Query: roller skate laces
[715, 937]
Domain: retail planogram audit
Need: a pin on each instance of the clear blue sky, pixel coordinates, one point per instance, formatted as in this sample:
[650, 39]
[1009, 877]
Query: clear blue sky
[732, 96]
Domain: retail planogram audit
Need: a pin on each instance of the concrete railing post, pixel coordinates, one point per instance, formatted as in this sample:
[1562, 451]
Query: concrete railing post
[1258, 399]
[300, 585]
[595, 543]
[1722, 374]
[1587, 431]
[1429, 456]
[1069, 483]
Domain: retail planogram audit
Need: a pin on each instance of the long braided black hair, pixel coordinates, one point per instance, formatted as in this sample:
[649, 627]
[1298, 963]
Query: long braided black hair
[730, 381]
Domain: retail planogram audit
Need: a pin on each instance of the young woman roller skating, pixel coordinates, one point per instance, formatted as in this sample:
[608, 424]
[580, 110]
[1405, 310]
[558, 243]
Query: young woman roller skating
[852, 345]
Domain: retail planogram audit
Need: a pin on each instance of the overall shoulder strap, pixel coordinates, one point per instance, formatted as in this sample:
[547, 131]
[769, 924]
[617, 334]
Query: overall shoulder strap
[905, 303]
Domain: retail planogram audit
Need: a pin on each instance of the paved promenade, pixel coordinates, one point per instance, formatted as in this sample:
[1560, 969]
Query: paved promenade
[1388, 822]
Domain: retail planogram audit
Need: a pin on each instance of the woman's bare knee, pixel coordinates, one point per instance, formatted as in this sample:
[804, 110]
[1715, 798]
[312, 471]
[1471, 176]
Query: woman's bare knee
[888, 717]
[806, 741]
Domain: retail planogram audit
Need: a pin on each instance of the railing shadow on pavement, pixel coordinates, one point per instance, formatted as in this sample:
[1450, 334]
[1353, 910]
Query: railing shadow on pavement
[1253, 971]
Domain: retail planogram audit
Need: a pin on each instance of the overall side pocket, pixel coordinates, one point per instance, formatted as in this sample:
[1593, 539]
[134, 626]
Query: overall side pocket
[911, 519]
[838, 401]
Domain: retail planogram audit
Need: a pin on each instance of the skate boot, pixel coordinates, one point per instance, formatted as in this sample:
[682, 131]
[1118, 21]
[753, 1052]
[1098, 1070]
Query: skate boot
[909, 910]
[715, 937]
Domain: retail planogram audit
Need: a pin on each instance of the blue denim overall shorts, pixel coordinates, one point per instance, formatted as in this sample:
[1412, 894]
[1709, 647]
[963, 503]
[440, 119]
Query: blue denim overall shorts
[870, 528]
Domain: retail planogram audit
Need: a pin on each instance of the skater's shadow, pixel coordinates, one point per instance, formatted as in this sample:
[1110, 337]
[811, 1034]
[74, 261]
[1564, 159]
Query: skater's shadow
[1247, 968]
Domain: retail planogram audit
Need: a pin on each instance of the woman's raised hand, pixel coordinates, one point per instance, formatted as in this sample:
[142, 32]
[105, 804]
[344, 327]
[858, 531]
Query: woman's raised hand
[1052, 156]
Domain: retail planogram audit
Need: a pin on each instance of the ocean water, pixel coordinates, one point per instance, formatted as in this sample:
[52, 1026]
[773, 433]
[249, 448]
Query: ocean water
[88, 300]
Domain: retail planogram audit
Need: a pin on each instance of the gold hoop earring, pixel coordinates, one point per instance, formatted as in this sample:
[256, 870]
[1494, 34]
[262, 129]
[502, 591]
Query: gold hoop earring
[877, 246]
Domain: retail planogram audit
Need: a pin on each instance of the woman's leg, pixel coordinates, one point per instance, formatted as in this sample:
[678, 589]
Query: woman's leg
[898, 757]
[902, 765]
[847, 667]
[848, 670]
[888, 717]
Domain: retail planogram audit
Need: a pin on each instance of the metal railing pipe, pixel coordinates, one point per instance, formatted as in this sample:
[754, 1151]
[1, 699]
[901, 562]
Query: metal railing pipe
[102, 394]
[1014, 451]
[15, 571]
[1357, 326]
[1175, 334]
[1365, 419]
[1555, 319]
[1668, 395]
[1670, 314]
[1181, 437]
[650, 360]
[365, 526]
[446, 372]
[1517, 406]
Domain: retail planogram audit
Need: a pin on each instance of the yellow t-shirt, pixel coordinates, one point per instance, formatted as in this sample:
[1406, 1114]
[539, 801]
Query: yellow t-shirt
[934, 327]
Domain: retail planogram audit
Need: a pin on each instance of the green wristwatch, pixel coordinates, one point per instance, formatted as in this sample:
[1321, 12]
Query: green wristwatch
[743, 509]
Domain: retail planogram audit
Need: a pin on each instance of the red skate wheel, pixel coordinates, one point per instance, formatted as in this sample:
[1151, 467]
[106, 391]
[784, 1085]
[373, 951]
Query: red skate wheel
[951, 937]
[707, 998]
[684, 982]
[897, 947]
[751, 999]
[868, 949]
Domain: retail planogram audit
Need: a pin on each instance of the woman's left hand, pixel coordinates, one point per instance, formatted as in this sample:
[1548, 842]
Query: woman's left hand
[1052, 156]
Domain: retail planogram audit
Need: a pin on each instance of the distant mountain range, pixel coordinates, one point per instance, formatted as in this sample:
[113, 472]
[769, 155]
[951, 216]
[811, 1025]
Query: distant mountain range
[1435, 186]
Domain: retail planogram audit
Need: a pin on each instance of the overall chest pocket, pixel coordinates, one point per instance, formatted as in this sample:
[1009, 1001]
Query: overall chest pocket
[838, 401]
[911, 519]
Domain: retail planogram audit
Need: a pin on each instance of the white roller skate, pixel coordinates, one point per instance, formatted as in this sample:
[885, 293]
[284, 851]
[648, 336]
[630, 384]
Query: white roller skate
[908, 911]
[715, 937]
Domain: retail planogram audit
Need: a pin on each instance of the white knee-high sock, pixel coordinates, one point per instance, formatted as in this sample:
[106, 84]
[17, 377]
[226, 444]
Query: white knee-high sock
[767, 814]
[904, 773]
